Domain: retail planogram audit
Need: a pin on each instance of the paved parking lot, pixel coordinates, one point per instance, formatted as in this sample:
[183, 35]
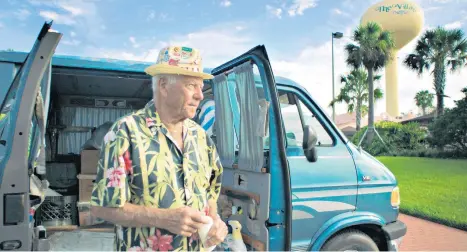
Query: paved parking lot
[428, 236]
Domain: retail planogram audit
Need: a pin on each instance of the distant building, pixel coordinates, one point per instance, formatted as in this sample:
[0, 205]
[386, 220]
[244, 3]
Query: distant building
[422, 120]
[347, 122]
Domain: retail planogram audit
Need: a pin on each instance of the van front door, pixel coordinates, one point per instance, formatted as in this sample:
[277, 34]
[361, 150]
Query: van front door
[256, 178]
[17, 145]
[322, 189]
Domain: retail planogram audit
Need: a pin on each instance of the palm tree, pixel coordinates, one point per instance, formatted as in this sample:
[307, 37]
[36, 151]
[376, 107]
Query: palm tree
[424, 100]
[373, 51]
[355, 93]
[441, 49]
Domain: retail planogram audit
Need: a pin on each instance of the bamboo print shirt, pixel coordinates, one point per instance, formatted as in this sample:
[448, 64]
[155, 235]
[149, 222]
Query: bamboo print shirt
[140, 164]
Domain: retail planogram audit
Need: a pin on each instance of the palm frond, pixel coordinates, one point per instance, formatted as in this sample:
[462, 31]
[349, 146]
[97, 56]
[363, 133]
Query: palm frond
[354, 57]
[378, 93]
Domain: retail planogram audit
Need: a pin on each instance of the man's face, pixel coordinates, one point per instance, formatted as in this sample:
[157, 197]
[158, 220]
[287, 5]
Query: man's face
[184, 96]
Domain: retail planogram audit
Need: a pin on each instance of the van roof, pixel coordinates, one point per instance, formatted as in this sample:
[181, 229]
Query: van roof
[127, 66]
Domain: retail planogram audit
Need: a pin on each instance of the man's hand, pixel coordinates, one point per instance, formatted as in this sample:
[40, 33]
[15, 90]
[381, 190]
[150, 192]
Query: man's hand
[217, 233]
[184, 221]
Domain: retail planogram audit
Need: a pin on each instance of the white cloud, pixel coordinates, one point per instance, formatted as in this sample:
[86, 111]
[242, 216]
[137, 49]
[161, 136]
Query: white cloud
[453, 25]
[340, 12]
[276, 12]
[217, 44]
[299, 6]
[73, 10]
[432, 8]
[1, 25]
[133, 42]
[72, 42]
[162, 16]
[82, 15]
[226, 3]
[67, 18]
[22, 14]
[337, 11]
[151, 16]
[73, 34]
[57, 18]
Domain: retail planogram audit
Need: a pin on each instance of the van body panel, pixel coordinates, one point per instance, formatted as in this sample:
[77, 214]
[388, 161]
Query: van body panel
[323, 189]
[341, 222]
[375, 184]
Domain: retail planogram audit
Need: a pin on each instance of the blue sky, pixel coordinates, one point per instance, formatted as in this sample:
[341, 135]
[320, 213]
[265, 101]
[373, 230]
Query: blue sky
[296, 34]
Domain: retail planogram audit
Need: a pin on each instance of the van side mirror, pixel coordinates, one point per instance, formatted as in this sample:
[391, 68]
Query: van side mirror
[309, 143]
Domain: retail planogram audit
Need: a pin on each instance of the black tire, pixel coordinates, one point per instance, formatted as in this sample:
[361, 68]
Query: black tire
[350, 240]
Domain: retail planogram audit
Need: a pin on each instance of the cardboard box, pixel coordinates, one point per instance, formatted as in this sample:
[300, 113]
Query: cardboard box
[89, 160]
[86, 183]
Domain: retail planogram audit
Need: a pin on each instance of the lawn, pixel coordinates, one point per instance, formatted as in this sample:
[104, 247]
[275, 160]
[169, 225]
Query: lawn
[434, 189]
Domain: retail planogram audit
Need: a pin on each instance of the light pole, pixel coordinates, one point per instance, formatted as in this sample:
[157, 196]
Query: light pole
[336, 35]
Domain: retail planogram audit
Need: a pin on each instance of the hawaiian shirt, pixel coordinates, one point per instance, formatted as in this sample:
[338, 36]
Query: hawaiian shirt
[140, 164]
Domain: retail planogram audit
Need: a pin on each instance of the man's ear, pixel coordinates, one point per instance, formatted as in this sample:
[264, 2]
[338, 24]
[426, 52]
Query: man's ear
[162, 86]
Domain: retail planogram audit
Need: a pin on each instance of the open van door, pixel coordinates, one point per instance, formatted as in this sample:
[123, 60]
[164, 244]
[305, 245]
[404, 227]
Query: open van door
[22, 126]
[251, 144]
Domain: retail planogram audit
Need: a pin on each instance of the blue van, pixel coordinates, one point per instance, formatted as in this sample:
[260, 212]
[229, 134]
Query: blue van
[293, 179]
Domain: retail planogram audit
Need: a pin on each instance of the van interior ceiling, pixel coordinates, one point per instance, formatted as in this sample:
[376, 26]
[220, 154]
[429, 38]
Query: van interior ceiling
[83, 99]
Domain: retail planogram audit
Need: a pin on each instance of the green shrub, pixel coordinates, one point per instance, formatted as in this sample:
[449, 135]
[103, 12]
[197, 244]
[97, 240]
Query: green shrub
[397, 137]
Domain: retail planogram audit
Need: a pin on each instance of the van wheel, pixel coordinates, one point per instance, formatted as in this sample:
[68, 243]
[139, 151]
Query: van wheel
[350, 240]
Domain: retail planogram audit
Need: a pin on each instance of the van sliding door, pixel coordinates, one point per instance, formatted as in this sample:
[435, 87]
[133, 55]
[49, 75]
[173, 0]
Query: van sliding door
[17, 110]
[250, 142]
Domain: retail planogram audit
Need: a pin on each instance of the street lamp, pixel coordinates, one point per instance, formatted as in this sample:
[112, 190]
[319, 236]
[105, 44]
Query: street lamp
[336, 35]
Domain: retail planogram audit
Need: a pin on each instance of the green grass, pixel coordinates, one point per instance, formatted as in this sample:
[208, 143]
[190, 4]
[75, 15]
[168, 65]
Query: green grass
[433, 189]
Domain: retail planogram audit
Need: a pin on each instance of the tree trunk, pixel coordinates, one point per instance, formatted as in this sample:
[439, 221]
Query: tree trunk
[371, 111]
[359, 114]
[440, 80]
[424, 110]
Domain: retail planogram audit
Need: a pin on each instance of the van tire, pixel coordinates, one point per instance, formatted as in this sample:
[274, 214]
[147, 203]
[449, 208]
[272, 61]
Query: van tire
[350, 240]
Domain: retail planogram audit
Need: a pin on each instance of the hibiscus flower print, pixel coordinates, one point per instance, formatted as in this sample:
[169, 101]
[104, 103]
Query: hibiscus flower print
[116, 177]
[150, 122]
[160, 242]
[126, 161]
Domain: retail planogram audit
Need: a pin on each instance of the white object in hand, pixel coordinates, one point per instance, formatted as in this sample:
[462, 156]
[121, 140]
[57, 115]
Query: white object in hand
[203, 233]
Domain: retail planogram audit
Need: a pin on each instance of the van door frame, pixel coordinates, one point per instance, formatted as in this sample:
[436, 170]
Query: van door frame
[280, 214]
[16, 173]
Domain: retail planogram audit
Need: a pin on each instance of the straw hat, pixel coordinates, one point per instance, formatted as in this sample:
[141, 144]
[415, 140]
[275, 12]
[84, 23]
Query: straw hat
[178, 60]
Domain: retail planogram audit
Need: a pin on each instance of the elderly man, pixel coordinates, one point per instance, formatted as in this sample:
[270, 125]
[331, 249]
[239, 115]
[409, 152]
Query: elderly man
[159, 175]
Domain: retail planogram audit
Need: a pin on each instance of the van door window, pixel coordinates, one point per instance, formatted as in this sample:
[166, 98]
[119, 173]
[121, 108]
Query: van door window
[241, 117]
[295, 116]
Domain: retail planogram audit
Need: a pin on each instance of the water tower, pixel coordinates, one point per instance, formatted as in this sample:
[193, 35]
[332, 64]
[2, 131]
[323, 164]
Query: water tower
[404, 19]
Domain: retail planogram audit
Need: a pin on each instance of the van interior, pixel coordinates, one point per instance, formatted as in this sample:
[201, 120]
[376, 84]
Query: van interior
[85, 102]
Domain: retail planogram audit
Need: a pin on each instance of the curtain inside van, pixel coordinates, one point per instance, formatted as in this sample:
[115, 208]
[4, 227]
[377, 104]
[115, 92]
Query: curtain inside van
[224, 121]
[251, 143]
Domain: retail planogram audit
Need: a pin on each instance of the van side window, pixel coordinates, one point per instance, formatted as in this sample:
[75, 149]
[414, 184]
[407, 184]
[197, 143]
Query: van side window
[296, 115]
